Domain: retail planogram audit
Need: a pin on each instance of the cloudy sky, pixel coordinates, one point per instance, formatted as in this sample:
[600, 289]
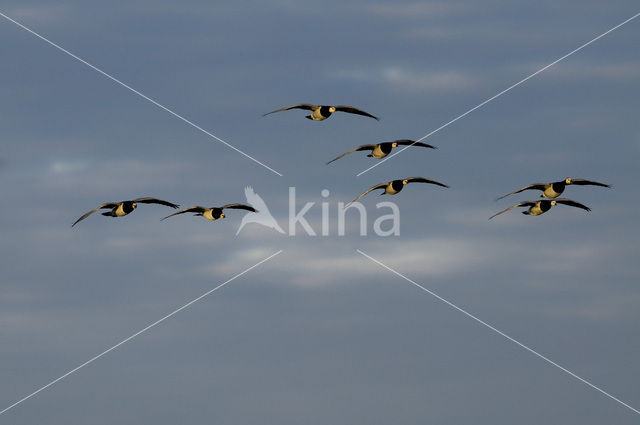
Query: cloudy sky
[319, 334]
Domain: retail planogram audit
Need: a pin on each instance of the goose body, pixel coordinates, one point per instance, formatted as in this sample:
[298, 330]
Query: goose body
[555, 189]
[322, 112]
[395, 186]
[383, 149]
[212, 213]
[120, 209]
[542, 206]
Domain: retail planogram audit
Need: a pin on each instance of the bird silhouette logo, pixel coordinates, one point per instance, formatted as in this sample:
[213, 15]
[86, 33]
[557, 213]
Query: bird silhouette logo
[263, 216]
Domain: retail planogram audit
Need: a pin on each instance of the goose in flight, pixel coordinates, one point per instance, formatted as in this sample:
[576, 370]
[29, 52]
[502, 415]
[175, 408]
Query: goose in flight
[119, 209]
[555, 189]
[322, 112]
[542, 206]
[383, 149]
[213, 213]
[395, 186]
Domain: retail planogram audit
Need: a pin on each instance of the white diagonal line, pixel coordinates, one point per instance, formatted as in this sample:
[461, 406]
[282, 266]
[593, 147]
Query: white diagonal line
[501, 93]
[197, 127]
[137, 333]
[532, 351]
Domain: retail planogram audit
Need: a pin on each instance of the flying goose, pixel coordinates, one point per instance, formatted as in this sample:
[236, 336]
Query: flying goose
[542, 206]
[383, 149]
[555, 189]
[322, 112]
[213, 213]
[119, 209]
[395, 186]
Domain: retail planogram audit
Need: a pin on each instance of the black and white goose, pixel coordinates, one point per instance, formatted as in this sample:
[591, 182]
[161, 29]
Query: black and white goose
[383, 149]
[542, 206]
[322, 112]
[555, 189]
[212, 213]
[120, 209]
[395, 186]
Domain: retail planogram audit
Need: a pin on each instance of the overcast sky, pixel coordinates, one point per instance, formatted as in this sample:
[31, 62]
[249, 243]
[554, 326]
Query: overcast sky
[319, 334]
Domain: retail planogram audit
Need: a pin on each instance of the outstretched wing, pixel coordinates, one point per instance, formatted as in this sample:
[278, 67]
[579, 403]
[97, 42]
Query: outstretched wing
[423, 180]
[109, 205]
[378, 186]
[359, 148]
[571, 203]
[583, 182]
[521, 204]
[306, 106]
[352, 110]
[535, 186]
[196, 209]
[407, 142]
[239, 207]
[156, 201]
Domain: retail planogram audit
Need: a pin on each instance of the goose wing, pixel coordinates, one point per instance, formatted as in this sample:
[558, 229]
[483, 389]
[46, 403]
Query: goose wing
[423, 180]
[352, 110]
[407, 142]
[239, 207]
[196, 209]
[156, 201]
[378, 186]
[583, 182]
[571, 203]
[521, 204]
[359, 148]
[535, 186]
[306, 106]
[109, 205]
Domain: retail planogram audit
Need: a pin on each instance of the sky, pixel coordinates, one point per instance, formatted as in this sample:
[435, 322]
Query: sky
[319, 333]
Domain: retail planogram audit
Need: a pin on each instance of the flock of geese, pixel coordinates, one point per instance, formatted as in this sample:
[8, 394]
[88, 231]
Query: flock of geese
[381, 150]
[550, 191]
[378, 151]
[120, 209]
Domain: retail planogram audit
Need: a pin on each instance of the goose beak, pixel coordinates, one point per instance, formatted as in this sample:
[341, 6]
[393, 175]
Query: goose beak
[222, 215]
